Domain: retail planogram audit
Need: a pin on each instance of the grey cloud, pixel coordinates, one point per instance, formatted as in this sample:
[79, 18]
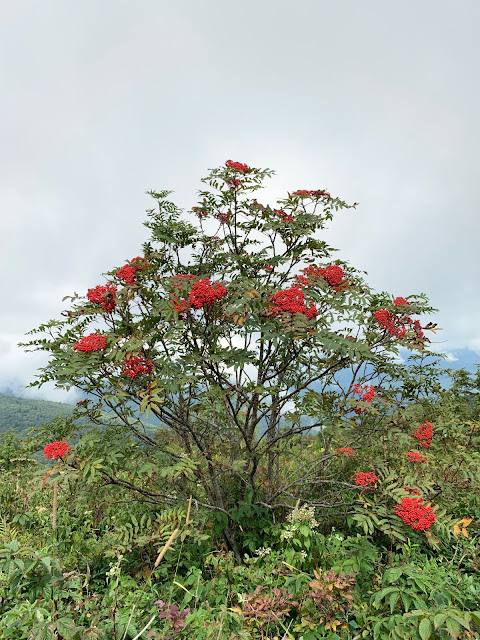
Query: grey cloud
[102, 100]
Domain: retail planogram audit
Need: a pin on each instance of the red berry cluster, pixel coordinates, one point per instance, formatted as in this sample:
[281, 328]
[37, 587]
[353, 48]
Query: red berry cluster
[363, 479]
[180, 305]
[204, 292]
[424, 435]
[415, 456]
[200, 212]
[180, 278]
[139, 263]
[286, 217]
[305, 193]
[104, 295]
[413, 492]
[344, 451]
[310, 275]
[57, 449]
[224, 217]
[136, 364]
[127, 272]
[237, 166]
[397, 326]
[292, 301]
[333, 274]
[92, 342]
[414, 513]
[367, 392]
[398, 302]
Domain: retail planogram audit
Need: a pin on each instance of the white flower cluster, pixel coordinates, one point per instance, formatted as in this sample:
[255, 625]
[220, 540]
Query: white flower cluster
[114, 566]
[288, 532]
[263, 551]
[304, 514]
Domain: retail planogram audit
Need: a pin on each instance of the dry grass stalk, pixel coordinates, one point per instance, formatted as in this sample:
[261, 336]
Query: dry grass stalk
[166, 547]
[55, 506]
[169, 542]
[187, 519]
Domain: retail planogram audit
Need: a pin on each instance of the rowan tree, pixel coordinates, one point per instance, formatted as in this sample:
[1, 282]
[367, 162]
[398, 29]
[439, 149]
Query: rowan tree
[242, 335]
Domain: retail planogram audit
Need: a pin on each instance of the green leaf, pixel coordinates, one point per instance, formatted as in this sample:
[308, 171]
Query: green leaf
[425, 629]
[392, 575]
[393, 600]
[453, 627]
[439, 619]
[66, 628]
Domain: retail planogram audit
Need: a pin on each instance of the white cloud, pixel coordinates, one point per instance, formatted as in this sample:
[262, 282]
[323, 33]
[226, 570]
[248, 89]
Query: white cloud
[18, 369]
[101, 101]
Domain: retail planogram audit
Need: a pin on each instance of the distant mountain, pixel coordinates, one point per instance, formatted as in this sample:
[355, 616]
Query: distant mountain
[19, 414]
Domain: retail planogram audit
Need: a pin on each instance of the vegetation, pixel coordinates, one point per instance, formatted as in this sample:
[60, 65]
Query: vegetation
[301, 482]
[20, 414]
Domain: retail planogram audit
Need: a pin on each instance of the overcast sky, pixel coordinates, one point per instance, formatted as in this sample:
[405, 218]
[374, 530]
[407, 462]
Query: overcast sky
[101, 100]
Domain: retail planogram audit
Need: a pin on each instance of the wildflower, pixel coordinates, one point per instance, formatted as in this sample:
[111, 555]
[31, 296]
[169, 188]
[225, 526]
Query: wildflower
[304, 514]
[92, 342]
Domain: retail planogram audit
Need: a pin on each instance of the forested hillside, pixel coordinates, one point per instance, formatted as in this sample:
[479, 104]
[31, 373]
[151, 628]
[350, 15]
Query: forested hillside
[19, 414]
